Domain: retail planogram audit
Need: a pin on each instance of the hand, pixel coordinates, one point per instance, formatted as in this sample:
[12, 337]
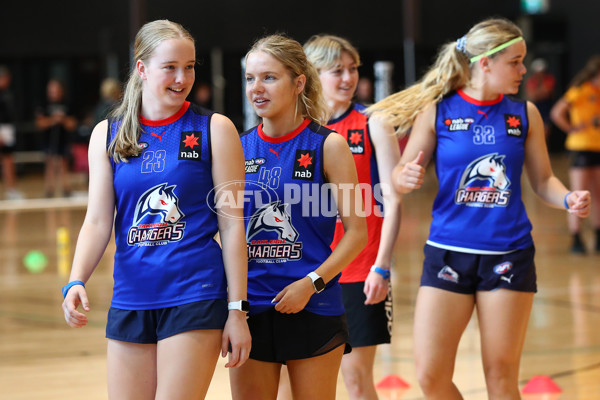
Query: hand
[376, 288]
[408, 177]
[76, 296]
[237, 333]
[294, 297]
[579, 203]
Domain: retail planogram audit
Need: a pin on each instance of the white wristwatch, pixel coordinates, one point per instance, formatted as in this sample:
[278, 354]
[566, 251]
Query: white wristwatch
[317, 281]
[241, 305]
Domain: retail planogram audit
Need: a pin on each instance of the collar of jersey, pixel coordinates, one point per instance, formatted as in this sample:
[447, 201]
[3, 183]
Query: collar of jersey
[471, 100]
[284, 138]
[166, 121]
[341, 117]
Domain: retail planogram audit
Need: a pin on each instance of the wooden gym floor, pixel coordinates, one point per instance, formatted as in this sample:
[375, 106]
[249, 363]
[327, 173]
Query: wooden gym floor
[42, 359]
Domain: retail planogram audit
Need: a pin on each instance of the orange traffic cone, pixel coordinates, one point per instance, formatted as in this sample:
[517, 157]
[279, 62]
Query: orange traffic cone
[541, 387]
[392, 387]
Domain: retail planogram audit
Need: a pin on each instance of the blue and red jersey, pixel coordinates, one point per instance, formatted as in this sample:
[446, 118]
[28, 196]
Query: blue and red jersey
[479, 160]
[290, 215]
[164, 226]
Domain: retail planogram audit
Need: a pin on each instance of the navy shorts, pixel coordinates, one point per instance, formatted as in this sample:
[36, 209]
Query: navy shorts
[150, 326]
[585, 158]
[369, 325]
[468, 273]
[278, 337]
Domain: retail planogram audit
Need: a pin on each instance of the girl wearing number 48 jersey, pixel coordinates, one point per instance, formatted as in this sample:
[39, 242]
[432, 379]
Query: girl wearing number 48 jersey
[479, 254]
[296, 310]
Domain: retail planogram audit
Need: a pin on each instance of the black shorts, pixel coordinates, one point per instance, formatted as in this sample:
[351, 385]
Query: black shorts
[150, 326]
[278, 337]
[468, 273]
[369, 325]
[585, 158]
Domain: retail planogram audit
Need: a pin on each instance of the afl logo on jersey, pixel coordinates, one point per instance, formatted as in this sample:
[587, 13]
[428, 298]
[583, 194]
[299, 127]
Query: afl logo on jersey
[356, 141]
[513, 124]
[190, 146]
[458, 124]
[503, 268]
[253, 165]
[304, 165]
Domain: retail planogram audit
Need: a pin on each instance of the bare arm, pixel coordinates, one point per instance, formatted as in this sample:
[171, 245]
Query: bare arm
[340, 171]
[560, 115]
[387, 149]
[409, 172]
[97, 225]
[542, 179]
[228, 174]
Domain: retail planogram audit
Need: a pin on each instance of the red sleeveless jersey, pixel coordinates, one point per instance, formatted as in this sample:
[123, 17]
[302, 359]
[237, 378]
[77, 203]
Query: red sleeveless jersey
[353, 126]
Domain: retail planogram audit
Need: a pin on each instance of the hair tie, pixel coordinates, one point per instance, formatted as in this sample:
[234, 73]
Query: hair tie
[461, 44]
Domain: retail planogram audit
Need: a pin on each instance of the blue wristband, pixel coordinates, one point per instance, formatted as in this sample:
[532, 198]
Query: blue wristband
[69, 285]
[567, 204]
[381, 271]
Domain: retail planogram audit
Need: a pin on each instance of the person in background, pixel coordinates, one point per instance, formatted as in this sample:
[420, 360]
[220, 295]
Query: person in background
[110, 95]
[577, 113]
[374, 146]
[539, 89]
[364, 91]
[157, 161]
[480, 252]
[57, 123]
[8, 135]
[296, 308]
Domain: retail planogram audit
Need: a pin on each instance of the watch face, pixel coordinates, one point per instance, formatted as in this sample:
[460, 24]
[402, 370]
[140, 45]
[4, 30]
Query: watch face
[245, 306]
[319, 284]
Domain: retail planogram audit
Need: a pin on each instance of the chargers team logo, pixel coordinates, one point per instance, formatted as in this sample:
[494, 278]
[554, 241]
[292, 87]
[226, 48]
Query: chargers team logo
[159, 206]
[490, 172]
[356, 141]
[273, 217]
[304, 165]
[513, 124]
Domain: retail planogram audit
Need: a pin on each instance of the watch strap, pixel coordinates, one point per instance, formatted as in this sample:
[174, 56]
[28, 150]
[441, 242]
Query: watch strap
[381, 271]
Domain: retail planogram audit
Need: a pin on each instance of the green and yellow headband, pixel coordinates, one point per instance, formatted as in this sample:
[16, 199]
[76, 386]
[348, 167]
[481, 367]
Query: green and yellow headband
[496, 49]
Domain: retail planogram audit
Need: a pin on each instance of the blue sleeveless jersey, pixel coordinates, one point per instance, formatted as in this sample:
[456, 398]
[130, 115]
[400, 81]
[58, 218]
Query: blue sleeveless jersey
[164, 228]
[479, 160]
[290, 215]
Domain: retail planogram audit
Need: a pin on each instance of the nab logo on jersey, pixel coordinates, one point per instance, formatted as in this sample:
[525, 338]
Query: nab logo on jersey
[356, 141]
[304, 165]
[513, 124]
[190, 146]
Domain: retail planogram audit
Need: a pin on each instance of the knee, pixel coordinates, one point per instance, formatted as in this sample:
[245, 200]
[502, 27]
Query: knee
[358, 379]
[502, 376]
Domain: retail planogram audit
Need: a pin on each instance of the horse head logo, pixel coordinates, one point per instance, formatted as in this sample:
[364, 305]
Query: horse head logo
[159, 200]
[272, 217]
[489, 167]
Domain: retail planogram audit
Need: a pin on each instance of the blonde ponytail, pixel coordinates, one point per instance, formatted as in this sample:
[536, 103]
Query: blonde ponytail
[451, 71]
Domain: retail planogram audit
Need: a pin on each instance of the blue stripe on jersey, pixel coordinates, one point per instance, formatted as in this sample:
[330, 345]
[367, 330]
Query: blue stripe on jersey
[166, 254]
[290, 215]
[479, 160]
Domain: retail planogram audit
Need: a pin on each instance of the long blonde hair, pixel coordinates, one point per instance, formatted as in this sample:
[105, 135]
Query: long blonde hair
[289, 52]
[451, 71]
[125, 144]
